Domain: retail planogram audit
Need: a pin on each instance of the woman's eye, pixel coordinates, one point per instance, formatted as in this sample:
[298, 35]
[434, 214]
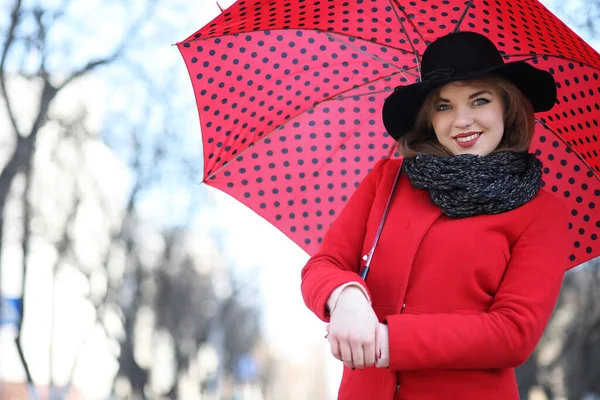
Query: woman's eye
[442, 107]
[481, 101]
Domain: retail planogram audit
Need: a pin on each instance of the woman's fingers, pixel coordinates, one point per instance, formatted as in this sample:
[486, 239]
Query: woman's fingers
[358, 356]
[335, 348]
[368, 354]
[346, 352]
[354, 353]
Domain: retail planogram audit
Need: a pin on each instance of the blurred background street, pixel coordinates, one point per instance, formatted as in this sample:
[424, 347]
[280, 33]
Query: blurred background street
[122, 276]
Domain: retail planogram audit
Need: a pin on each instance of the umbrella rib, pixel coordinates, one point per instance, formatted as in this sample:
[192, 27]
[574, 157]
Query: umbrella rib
[373, 56]
[398, 8]
[330, 98]
[319, 30]
[462, 18]
[334, 97]
[200, 39]
[400, 69]
[532, 56]
[341, 97]
[573, 151]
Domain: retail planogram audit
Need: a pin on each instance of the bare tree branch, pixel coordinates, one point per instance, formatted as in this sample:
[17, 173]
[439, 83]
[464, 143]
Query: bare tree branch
[92, 65]
[118, 52]
[25, 242]
[15, 16]
[62, 247]
[25, 144]
[38, 15]
[23, 152]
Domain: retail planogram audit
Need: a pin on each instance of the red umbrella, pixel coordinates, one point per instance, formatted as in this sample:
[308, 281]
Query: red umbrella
[290, 96]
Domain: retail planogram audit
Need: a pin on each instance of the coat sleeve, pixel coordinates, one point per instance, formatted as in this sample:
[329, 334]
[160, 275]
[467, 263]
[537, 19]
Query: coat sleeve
[506, 335]
[337, 261]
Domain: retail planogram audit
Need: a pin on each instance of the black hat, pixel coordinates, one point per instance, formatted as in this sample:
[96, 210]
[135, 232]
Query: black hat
[460, 56]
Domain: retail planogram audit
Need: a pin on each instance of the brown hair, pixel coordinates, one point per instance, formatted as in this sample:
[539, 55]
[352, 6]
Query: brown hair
[519, 121]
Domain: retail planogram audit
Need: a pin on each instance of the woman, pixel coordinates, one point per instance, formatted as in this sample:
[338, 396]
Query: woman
[470, 262]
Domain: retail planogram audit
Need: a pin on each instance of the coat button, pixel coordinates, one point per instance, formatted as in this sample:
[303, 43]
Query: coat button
[403, 306]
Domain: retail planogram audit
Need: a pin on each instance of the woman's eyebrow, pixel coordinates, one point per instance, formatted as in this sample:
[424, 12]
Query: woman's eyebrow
[480, 93]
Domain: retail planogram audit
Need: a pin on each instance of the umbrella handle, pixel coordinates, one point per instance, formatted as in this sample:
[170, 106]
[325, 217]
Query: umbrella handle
[365, 272]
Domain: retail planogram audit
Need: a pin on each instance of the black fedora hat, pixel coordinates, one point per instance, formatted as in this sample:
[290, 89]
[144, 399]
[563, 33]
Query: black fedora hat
[462, 56]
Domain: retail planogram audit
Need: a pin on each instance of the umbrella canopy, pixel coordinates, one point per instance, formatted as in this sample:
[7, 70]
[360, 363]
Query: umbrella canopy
[290, 93]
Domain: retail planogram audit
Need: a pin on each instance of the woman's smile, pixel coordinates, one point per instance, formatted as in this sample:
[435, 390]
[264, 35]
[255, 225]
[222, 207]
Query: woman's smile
[466, 140]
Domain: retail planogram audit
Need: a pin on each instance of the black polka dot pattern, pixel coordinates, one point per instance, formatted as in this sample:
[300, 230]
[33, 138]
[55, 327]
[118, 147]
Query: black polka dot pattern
[567, 177]
[290, 94]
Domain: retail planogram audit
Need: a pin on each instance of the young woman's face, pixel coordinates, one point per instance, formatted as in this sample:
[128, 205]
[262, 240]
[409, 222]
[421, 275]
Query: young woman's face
[469, 119]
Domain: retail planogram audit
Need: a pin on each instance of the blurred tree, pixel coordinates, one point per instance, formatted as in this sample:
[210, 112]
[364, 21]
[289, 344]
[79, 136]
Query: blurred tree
[197, 308]
[122, 234]
[581, 350]
[26, 53]
[31, 55]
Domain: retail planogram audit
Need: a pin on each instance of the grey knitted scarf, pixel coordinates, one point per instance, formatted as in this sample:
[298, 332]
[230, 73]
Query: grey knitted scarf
[467, 185]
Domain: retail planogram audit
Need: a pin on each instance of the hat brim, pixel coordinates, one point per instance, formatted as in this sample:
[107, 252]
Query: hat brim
[401, 107]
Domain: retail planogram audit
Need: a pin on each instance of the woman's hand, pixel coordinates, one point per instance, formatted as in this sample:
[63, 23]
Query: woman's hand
[353, 332]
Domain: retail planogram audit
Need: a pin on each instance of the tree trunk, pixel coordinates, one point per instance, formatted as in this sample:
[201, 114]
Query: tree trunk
[23, 155]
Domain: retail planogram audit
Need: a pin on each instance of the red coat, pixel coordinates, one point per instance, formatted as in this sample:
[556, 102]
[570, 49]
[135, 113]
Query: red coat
[466, 300]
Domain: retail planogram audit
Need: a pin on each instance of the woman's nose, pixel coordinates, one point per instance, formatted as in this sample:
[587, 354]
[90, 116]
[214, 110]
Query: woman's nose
[463, 119]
